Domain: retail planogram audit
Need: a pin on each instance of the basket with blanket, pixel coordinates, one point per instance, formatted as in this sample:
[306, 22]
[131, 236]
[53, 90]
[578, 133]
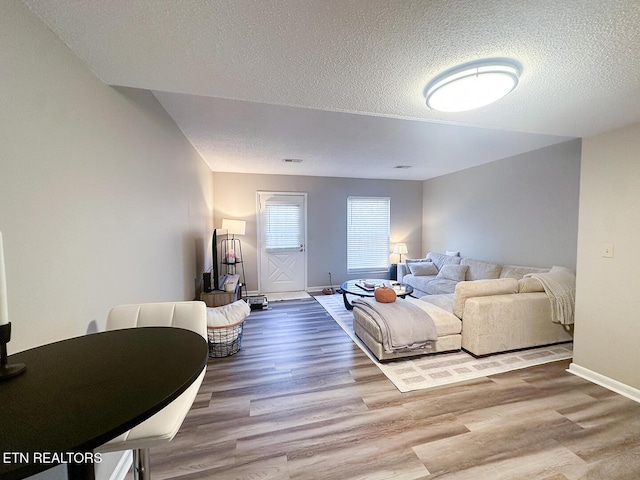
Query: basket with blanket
[224, 328]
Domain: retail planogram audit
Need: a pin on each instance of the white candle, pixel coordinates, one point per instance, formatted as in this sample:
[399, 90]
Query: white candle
[4, 311]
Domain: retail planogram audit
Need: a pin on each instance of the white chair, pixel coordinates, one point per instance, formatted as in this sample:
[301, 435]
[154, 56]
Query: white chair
[163, 426]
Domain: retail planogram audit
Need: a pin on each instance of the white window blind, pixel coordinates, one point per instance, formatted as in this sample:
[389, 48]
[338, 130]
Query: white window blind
[367, 234]
[282, 226]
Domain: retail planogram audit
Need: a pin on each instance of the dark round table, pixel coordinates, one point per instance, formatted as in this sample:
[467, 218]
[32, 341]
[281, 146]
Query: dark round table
[79, 393]
[356, 287]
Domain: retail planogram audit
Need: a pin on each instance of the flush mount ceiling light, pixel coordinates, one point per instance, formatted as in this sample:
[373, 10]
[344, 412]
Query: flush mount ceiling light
[472, 85]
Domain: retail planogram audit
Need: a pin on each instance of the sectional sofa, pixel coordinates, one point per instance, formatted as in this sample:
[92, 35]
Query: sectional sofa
[500, 308]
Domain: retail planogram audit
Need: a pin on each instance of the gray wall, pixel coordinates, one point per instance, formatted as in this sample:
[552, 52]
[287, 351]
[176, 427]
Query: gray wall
[235, 197]
[521, 210]
[103, 200]
[607, 332]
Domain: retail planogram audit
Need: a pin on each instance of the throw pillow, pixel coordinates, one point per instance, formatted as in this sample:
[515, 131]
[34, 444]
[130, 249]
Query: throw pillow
[440, 259]
[451, 253]
[420, 269]
[453, 272]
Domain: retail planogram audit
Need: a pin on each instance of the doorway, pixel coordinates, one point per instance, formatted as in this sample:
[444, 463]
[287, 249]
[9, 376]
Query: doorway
[282, 235]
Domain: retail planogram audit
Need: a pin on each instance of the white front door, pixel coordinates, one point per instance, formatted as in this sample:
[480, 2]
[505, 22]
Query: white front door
[282, 232]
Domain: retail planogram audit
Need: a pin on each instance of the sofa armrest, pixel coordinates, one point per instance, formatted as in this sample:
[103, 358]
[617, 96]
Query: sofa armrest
[501, 323]
[481, 288]
[402, 271]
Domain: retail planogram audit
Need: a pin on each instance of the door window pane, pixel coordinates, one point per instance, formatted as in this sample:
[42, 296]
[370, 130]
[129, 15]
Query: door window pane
[282, 226]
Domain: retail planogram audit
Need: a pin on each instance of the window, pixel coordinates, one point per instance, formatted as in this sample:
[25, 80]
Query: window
[282, 226]
[367, 234]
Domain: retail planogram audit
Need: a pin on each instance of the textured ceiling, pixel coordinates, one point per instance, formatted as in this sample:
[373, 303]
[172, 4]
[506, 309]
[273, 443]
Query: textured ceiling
[230, 73]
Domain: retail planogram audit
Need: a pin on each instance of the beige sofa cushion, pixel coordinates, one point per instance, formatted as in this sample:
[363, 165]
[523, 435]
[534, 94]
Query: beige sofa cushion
[442, 300]
[529, 285]
[481, 288]
[518, 271]
[446, 324]
[479, 270]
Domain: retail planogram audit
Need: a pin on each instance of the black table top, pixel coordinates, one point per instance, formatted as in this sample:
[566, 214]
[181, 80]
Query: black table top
[79, 393]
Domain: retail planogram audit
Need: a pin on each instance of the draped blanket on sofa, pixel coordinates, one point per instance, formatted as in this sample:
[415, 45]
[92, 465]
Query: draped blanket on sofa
[404, 326]
[560, 285]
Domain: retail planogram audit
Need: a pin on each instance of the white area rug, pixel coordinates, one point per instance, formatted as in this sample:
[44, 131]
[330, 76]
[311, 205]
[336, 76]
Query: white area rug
[277, 297]
[444, 368]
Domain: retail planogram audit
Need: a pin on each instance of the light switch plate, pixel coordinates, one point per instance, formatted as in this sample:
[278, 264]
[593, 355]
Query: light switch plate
[607, 250]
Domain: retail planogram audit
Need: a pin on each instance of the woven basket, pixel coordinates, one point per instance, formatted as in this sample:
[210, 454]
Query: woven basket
[225, 340]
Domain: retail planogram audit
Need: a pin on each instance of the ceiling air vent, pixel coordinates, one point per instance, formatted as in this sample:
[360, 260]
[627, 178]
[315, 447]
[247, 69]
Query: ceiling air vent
[403, 166]
[292, 160]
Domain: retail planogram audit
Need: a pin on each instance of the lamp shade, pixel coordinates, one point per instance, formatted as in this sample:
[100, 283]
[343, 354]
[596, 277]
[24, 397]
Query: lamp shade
[234, 227]
[400, 249]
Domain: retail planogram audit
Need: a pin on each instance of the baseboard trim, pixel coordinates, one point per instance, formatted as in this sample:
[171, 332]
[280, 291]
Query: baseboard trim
[123, 466]
[606, 382]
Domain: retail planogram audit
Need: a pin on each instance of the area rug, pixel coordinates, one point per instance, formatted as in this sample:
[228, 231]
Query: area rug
[277, 297]
[444, 368]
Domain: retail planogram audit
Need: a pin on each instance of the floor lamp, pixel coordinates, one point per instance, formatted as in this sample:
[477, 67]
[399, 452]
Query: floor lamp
[232, 248]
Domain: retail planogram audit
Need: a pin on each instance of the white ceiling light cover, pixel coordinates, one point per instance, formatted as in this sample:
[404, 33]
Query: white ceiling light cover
[472, 85]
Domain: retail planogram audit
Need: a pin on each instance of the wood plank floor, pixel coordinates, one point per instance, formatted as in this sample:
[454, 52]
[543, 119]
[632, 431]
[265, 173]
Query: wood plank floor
[301, 401]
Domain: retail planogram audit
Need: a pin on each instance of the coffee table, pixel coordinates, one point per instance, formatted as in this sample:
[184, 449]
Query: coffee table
[357, 287]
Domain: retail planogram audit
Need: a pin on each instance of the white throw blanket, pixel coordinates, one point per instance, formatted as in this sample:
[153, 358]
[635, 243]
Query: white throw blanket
[404, 326]
[560, 285]
[227, 314]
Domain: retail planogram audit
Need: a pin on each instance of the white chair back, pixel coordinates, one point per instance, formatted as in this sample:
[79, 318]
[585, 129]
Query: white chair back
[188, 315]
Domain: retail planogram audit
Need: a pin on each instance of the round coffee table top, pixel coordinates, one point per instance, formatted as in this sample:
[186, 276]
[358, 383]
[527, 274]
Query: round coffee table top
[360, 287]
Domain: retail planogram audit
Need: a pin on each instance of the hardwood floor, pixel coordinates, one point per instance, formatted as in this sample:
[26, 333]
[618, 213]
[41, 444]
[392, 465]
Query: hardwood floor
[302, 401]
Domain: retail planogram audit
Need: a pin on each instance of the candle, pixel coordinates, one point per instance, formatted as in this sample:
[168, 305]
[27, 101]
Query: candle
[4, 311]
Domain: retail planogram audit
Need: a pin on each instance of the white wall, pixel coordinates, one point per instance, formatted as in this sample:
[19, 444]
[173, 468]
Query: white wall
[102, 199]
[520, 210]
[235, 197]
[607, 329]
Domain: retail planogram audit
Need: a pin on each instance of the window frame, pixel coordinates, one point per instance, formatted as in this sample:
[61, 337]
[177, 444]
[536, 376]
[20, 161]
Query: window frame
[357, 241]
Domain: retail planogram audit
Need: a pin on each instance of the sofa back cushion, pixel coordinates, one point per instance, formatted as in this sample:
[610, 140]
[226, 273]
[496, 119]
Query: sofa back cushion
[415, 260]
[481, 288]
[479, 270]
[518, 271]
[456, 273]
[441, 260]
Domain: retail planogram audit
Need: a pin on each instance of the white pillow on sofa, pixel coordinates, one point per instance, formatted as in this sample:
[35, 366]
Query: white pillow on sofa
[453, 272]
[421, 269]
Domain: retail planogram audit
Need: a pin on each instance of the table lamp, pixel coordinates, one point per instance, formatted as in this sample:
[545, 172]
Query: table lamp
[400, 249]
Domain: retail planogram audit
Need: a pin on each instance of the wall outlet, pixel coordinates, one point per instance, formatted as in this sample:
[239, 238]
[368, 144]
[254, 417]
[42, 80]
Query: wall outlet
[607, 250]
